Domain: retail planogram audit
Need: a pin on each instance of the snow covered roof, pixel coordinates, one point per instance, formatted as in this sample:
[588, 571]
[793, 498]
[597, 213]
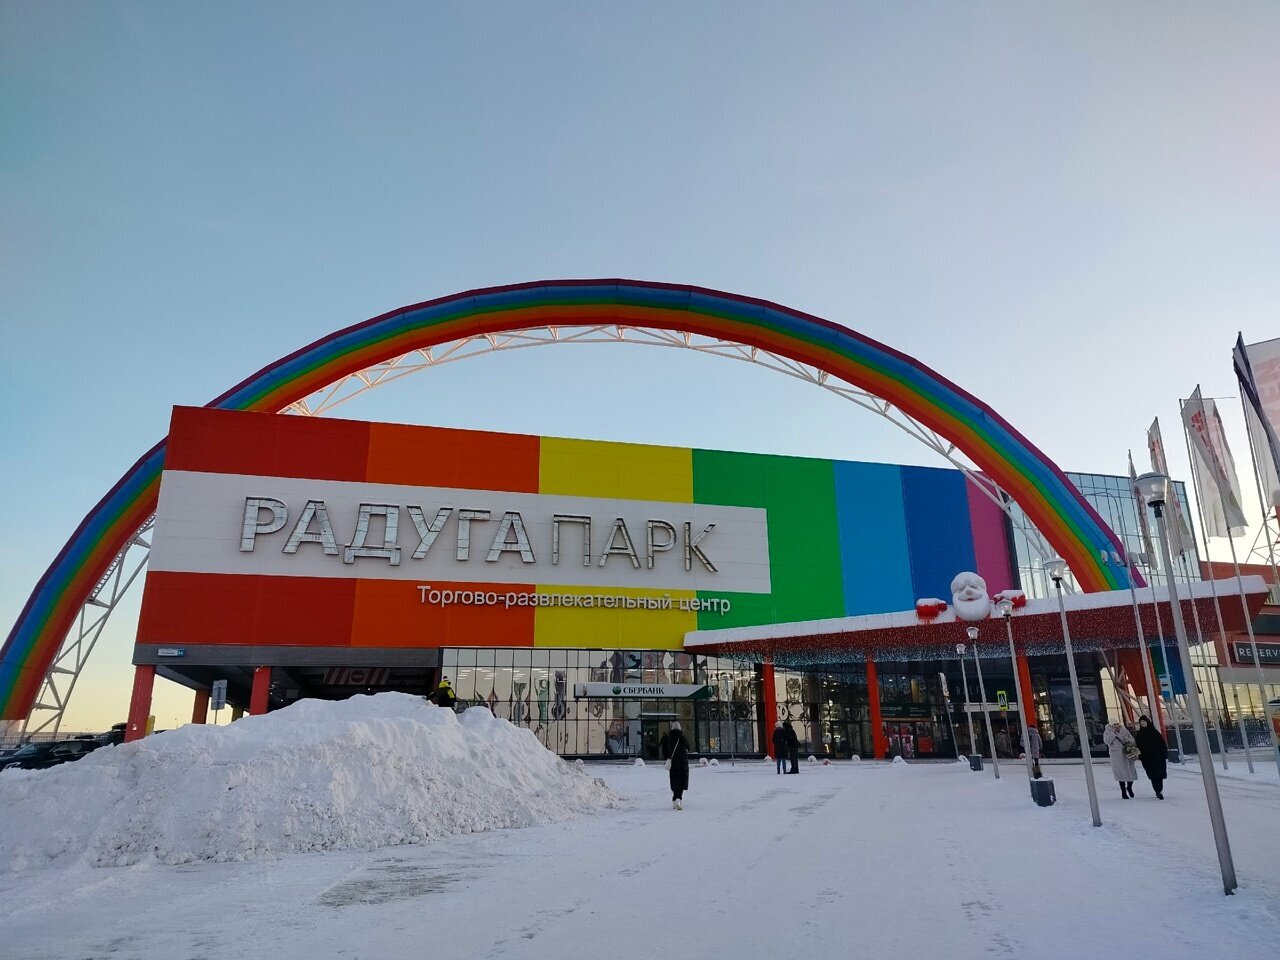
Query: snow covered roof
[1097, 621]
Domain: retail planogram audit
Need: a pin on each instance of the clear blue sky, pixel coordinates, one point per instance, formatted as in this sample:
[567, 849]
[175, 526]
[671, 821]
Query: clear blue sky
[1069, 209]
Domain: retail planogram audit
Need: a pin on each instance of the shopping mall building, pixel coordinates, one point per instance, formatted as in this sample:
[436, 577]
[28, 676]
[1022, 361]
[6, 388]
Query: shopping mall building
[555, 581]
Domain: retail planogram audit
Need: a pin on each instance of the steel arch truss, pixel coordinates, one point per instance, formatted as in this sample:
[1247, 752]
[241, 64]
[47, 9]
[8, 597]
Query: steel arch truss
[59, 683]
[79, 643]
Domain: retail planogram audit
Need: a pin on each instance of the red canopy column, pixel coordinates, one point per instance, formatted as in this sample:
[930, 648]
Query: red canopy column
[769, 697]
[258, 699]
[880, 745]
[1028, 694]
[144, 680]
[200, 709]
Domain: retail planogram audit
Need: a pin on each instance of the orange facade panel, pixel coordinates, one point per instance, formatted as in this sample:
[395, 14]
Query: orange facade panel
[439, 457]
[390, 613]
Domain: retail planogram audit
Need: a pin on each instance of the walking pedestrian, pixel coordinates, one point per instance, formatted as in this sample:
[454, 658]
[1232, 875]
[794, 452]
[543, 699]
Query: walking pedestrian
[677, 765]
[781, 748]
[1153, 751]
[1036, 746]
[793, 747]
[1123, 751]
[1002, 743]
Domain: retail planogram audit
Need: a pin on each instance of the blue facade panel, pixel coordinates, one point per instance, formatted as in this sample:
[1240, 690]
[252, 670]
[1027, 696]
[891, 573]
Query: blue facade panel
[939, 535]
[873, 538]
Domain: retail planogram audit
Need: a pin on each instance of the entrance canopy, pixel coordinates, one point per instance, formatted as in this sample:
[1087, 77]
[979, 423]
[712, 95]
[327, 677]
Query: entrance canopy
[1098, 621]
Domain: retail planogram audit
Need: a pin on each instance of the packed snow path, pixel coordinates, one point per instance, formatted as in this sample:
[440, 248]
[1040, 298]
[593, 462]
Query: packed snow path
[866, 860]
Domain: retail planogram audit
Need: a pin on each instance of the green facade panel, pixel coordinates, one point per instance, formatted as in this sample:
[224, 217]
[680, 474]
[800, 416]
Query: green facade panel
[804, 534]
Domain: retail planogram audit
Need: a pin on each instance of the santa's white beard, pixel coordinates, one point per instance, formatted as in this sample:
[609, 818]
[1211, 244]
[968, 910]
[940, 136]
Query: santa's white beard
[972, 609]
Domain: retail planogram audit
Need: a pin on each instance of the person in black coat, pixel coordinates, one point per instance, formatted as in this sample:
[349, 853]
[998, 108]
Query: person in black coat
[1153, 753]
[678, 771]
[781, 747]
[793, 747]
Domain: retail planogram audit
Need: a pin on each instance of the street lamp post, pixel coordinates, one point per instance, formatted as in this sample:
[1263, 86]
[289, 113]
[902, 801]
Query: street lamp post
[1056, 568]
[1153, 693]
[982, 692]
[1154, 488]
[1005, 607]
[964, 681]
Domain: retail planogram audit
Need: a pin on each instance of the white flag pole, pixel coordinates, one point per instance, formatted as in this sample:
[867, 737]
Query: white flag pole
[1244, 374]
[1217, 606]
[1153, 692]
[1263, 500]
[1204, 665]
[1235, 563]
[1155, 607]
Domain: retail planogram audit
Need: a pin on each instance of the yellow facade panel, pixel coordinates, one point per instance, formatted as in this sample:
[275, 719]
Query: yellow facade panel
[626, 471]
[601, 627]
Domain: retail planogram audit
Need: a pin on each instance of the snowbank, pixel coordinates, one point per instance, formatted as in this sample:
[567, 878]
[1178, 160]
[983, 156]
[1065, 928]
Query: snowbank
[362, 773]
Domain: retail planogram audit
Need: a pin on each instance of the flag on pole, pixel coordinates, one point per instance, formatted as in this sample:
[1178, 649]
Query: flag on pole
[1258, 370]
[1143, 523]
[1214, 468]
[1179, 532]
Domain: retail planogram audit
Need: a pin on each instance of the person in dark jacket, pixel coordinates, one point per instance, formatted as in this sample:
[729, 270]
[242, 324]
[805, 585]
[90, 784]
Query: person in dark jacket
[793, 747]
[678, 772]
[781, 747]
[1153, 754]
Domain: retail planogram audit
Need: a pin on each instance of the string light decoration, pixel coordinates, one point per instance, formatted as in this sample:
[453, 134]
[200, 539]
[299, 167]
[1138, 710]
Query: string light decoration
[1099, 622]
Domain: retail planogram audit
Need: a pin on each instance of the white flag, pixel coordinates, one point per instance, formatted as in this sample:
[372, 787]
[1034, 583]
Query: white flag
[1144, 525]
[1214, 468]
[1258, 370]
[1176, 524]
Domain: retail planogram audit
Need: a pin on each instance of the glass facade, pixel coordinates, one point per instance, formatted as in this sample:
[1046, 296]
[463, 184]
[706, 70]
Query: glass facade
[1113, 498]
[534, 688]
[921, 703]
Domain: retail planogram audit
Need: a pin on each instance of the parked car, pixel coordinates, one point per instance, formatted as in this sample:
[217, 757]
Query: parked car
[28, 752]
[40, 756]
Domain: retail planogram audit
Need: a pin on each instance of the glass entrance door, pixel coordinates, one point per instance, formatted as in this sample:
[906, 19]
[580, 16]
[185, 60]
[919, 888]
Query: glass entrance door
[651, 734]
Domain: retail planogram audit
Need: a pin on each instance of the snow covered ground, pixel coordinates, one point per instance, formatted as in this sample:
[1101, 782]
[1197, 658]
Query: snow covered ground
[862, 860]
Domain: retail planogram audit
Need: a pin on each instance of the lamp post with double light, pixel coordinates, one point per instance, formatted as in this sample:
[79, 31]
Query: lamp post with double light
[972, 632]
[1154, 489]
[1056, 569]
[1005, 608]
[964, 682]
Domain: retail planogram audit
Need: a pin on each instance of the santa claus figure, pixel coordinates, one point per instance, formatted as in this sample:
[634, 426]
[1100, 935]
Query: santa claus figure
[969, 597]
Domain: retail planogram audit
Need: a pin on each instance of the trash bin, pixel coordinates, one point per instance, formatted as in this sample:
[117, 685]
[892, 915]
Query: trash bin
[1042, 793]
[1174, 755]
[975, 762]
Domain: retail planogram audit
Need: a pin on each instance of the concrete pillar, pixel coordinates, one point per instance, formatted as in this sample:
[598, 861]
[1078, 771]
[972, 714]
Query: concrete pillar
[258, 699]
[200, 710]
[144, 679]
[880, 745]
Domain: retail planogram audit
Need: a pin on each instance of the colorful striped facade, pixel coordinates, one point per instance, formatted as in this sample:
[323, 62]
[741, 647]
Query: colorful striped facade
[844, 538]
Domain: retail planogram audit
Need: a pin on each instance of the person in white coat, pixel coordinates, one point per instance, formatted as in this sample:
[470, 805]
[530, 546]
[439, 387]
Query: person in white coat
[1122, 749]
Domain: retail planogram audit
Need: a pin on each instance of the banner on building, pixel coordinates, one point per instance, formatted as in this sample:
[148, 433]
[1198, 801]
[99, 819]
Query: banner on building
[1173, 681]
[1258, 370]
[1214, 468]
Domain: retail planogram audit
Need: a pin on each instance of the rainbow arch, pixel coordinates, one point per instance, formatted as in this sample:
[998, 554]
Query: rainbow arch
[1035, 482]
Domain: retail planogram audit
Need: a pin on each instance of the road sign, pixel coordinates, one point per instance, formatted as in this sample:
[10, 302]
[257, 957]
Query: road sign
[218, 694]
[1003, 699]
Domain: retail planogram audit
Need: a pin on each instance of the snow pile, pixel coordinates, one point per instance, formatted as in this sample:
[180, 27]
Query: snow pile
[362, 773]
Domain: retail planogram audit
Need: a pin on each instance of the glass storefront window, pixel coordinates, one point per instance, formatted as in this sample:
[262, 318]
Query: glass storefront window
[534, 689]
